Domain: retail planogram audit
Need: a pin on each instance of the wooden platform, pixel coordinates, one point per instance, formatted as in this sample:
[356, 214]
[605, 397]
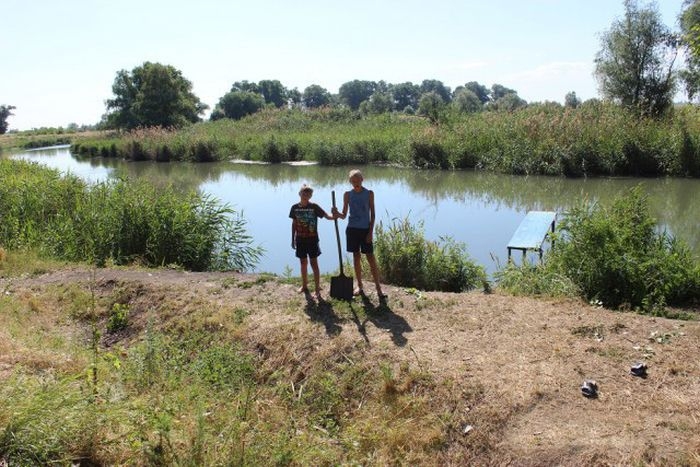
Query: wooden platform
[532, 232]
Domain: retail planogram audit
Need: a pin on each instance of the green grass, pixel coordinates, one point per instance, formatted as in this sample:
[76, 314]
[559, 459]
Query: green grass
[200, 396]
[613, 256]
[119, 221]
[407, 259]
[595, 139]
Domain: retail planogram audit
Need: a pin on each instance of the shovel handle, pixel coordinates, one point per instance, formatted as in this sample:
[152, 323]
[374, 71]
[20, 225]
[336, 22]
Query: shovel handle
[337, 236]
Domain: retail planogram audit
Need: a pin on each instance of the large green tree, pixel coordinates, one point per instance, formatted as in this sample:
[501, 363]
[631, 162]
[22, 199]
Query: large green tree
[406, 95]
[499, 91]
[508, 102]
[635, 65]
[571, 100]
[273, 92]
[379, 102]
[690, 35]
[355, 92]
[238, 104]
[436, 86]
[431, 105]
[294, 96]
[152, 95]
[5, 113]
[245, 86]
[466, 101]
[481, 91]
[315, 96]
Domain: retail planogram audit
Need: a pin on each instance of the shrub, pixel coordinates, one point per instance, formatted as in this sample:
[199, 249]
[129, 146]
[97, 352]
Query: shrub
[429, 155]
[119, 220]
[118, 317]
[272, 151]
[538, 280]
[407, 259]
[617, 256]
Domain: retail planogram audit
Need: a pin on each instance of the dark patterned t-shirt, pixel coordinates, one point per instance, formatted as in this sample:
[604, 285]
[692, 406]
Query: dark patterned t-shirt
[307, 219]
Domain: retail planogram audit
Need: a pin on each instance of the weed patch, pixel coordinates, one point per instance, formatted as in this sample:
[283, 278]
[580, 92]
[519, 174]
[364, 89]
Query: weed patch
[407, 259]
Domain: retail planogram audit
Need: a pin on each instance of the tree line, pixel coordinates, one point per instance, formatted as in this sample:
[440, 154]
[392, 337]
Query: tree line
[635, 67]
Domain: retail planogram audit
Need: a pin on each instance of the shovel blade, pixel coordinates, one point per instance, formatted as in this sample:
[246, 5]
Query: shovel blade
[341, 287]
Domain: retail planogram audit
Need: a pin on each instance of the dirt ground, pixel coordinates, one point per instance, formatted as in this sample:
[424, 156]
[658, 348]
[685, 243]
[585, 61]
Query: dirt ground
[530, 355]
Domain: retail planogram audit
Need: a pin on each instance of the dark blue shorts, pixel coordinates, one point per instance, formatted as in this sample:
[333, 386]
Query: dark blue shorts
[357, 241]
[308, 248]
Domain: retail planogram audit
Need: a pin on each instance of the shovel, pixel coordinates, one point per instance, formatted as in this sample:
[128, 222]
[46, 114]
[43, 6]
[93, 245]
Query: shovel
[341, 286]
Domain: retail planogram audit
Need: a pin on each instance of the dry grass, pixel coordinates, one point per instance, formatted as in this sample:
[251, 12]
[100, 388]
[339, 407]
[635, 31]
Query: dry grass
[427, 379]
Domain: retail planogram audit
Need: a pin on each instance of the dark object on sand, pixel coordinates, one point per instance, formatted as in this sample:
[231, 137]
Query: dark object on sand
[639, 369]
[589, 388]
[341, 286]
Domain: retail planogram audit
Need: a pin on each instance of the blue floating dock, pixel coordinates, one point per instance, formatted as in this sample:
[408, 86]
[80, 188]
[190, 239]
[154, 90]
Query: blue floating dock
[532, 232]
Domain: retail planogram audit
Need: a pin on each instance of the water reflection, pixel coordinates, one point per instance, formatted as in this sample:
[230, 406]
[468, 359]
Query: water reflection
[480, 209]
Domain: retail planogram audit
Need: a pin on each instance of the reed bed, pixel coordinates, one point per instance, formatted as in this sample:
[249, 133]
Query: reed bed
[118, 221]
[596, 139]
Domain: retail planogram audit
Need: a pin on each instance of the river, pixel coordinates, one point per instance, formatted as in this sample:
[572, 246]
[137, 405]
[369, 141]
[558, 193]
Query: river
[481, 210]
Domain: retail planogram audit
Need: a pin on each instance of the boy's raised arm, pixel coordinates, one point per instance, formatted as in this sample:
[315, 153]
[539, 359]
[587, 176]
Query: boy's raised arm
[346, 201]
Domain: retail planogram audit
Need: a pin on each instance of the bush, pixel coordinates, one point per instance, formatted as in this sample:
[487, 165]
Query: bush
[618, 257]
[118, 317]
[120, 221]
[538, 280]
[429, 155]
[407, 259]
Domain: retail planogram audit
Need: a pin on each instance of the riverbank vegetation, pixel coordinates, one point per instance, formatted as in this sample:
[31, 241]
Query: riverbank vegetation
[407, 259]
[129, 366]
[119, 222]
[613, 256]
[594, 139]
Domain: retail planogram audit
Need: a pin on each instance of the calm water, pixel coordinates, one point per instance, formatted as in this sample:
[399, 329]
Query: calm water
[478, 209]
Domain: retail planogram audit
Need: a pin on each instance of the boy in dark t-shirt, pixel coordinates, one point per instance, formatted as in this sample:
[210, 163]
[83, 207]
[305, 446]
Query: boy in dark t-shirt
[305, 241]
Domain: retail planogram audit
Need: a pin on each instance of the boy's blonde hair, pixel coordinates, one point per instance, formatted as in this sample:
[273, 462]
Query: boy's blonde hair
[355, 173]
[305, 187]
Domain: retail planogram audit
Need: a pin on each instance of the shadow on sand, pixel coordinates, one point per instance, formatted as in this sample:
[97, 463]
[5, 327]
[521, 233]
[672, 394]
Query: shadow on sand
[362, 311]
[322, 312]
[382, 317]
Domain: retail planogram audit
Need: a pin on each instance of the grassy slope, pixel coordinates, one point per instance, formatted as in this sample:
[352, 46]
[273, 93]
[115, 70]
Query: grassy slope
[213, 368]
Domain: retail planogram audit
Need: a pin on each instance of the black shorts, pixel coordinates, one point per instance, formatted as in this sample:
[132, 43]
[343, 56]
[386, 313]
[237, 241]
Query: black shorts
[357, 241]
[308, 248]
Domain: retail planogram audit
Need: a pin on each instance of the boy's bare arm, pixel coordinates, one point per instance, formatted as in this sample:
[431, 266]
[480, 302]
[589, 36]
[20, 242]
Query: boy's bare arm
[346, 201]
[294, 233]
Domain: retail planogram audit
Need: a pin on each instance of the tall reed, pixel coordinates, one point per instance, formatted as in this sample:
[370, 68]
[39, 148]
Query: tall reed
[407, 259]
[120, 221]
[597, 138]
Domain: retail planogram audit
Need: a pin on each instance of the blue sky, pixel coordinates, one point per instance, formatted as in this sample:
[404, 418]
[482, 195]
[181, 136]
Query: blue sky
[59, 58]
